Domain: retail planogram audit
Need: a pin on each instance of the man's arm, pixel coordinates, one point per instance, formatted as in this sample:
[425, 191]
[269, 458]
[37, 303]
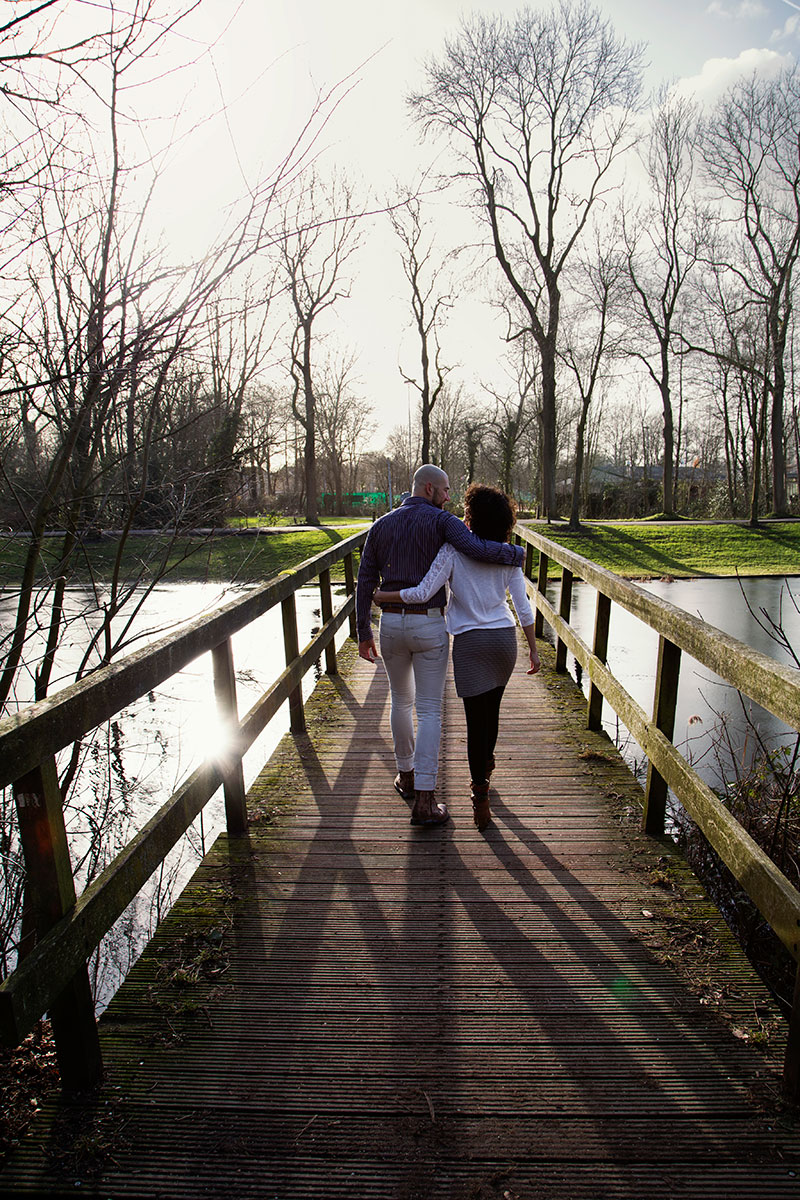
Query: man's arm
[463, 539]
[368, 579]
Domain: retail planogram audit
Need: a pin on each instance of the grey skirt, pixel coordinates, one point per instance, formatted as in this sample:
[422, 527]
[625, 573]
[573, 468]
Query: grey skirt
[483, 659]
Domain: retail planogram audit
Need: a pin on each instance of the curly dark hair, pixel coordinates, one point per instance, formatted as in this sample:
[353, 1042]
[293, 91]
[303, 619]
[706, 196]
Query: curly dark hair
[490, 513]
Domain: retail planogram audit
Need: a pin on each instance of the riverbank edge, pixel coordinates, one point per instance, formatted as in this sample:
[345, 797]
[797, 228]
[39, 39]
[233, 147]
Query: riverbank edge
[640, 551]
[247, 558]
[632, 550]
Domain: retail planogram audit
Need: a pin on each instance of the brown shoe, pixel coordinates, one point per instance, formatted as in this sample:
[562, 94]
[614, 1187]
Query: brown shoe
[404, 784]
[481, 813]
[426, 811]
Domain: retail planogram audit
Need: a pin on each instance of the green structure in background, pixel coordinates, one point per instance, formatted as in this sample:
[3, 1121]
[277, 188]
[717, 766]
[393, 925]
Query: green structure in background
[352, 499]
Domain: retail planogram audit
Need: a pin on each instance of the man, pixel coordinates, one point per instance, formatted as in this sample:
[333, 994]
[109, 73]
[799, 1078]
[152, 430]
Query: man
[397, 554]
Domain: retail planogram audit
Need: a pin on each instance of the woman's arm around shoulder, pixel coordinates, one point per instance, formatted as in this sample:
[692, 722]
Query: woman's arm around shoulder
[440, 570]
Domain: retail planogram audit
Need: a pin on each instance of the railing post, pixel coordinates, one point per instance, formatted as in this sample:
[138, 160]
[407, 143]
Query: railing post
[600, 649]
[791, 1063]
[326, 603]
[528, 568]
[350, 588]
[541, 587]
[564, 611]
[297, 717]
[231, 759]
[50, 893]
[664, 704]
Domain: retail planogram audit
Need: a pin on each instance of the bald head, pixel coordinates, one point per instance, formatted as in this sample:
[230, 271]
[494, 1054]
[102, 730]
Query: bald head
[432, 484]
[429, 474]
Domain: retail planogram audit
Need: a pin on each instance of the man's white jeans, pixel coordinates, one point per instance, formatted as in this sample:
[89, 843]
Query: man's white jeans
[414, 647]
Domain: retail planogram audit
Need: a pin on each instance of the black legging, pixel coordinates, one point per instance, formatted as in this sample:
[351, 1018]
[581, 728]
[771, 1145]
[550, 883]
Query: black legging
[483, 717]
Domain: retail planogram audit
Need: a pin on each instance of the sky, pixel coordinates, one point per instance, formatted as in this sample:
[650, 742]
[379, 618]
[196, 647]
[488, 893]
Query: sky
[266, 60]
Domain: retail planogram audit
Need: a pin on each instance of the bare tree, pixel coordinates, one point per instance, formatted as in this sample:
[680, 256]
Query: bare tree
[428, 306]
[446, 431]
[320, 233]
[750, 150]
[402, 453]
[737, 337]
[474, 425]
[344, 423]
[663, 240]
[41, 58]
[539, 107]
[238, 342]
[101, 340]
[264, 416]
[514, 412]
[589, 342]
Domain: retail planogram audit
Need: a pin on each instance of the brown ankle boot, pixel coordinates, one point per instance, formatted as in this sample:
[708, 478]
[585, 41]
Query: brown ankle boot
[426, 811]
[481, 813]
[404, 784]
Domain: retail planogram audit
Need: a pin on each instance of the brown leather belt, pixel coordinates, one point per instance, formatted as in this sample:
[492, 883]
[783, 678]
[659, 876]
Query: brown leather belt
[412, 608]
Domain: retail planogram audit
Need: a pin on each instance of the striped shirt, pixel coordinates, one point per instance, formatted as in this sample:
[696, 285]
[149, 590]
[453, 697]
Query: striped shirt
[402, 545]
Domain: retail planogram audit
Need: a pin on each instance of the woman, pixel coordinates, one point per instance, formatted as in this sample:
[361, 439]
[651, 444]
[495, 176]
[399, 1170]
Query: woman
[483, 629]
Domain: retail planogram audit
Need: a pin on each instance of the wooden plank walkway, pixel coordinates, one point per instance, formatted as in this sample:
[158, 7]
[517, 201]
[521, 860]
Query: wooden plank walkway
[343, 1005]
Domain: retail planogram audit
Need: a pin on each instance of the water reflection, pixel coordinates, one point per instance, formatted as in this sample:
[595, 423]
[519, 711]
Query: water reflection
[705, 702]
[130, 766]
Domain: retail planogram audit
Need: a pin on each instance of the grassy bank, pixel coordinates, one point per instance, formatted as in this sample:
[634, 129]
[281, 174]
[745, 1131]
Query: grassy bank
[246, 559]
[683, 549]
[278, 520]
[635, 551]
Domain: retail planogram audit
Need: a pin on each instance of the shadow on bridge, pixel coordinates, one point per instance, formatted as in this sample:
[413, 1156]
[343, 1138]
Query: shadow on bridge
[342, 1004]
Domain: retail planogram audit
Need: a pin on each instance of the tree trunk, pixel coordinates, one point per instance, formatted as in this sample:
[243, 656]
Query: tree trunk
[755, 485]
[777, 329]
[730, 451]
[759, 438]
[677, 457]
[580, 435]
[668, 488]
[425, 410]
[310, 447]
[780, 505]
[548, 424]
[338, 490]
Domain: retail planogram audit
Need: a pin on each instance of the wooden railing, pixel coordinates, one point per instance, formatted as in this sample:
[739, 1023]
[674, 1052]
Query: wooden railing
[53, 977]
[774, 686]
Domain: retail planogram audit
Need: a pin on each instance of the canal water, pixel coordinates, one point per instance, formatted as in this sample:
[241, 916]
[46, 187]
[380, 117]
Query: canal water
[715, 729]
[131, 766]
[134, 763]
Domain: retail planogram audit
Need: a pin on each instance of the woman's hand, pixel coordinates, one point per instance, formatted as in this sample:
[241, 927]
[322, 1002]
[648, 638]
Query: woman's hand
[530, 634]
[381, 597]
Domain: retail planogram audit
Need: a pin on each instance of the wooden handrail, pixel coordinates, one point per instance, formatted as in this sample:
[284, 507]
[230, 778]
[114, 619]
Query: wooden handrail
[52, 975]
[27, 737]
[769, 683]
[54, 971]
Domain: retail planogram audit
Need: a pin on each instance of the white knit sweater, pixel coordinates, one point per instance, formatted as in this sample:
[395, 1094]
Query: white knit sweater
[477, 592]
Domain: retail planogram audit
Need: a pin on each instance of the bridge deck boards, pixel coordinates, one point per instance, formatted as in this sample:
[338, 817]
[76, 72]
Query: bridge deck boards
[344, 1005]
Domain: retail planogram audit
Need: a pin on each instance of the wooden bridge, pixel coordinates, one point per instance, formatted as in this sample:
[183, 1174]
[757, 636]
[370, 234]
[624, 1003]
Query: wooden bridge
[342, 1004]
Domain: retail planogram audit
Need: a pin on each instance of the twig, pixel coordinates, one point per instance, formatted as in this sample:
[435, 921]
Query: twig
[306, 1126]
